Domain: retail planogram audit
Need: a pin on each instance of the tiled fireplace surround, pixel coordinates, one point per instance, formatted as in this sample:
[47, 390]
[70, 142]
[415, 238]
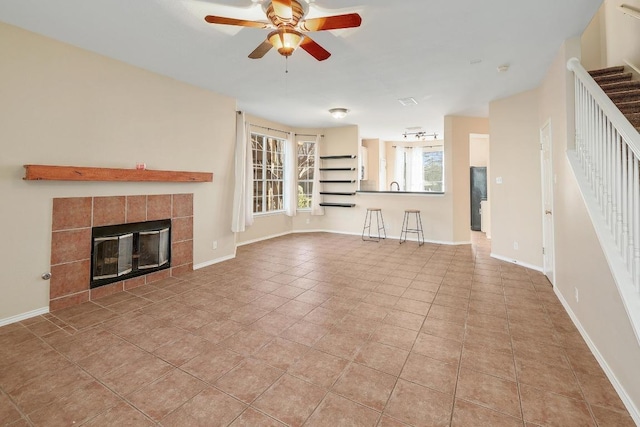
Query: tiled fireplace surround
[71, 241]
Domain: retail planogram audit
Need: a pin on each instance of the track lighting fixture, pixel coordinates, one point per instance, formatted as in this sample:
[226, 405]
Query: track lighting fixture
[420, 135]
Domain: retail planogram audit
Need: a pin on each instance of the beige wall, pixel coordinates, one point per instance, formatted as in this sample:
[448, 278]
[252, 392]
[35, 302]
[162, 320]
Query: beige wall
[516, 204]
[580, 262]
[389, 153]
[593, 43]
[373, 164]
[612, 38]
[622, 33]
[479, 150]
[65, 106]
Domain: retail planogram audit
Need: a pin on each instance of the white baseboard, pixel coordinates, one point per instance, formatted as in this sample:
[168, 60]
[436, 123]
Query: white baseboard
[628, 402]
[24, 316]
[213, 261]
[260, 239]
[515, 261]
[411, 239]
[348, 233]
[310, 231]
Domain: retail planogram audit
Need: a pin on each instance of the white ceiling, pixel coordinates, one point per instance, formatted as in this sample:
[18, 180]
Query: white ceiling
[444, 53]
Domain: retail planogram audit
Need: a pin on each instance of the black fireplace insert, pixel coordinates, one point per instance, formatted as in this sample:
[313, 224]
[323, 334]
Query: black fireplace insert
[124, 251]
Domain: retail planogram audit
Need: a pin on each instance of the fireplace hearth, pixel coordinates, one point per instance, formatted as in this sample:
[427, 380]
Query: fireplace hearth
[125, 251]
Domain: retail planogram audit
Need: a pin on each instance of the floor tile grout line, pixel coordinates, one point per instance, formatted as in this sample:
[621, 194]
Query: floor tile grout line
[99, 381]
[513, 356]
[573, 372]
[459, 368]
[382, 413]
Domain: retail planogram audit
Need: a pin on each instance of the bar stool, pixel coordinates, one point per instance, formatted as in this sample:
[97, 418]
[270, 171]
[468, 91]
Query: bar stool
[367, 225]
[406, 229]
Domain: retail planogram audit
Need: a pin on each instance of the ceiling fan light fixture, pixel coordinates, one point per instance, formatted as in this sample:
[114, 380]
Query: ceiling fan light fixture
[285, 40]
[338, 113]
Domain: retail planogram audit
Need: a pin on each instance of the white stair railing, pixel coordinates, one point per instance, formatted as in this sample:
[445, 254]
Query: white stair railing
[607, 154]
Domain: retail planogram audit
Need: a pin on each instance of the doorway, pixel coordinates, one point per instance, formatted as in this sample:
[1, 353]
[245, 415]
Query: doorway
[478, 184]
[479, 173]
[548, 262]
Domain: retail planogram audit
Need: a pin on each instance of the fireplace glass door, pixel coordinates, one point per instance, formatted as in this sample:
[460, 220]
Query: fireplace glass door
[112, 256]
[154, 248]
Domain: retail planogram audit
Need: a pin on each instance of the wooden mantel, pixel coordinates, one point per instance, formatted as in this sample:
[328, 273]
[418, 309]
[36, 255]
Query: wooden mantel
[78, 173]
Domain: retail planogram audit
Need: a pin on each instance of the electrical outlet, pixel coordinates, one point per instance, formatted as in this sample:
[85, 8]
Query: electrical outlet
[577, 295]
[308, 220]
[215, 244]
[515, 245]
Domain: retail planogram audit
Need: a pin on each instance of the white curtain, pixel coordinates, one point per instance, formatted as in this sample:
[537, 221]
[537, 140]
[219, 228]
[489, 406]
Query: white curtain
[316, 209]
[399, 168]
[291, 176]
[414, 174]
[243, 191]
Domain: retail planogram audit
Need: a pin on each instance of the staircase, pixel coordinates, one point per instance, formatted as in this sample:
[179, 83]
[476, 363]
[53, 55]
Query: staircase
[606, 164]
[622, 90]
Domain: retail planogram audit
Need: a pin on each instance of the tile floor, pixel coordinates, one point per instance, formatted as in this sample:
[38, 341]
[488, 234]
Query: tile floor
[314, 330]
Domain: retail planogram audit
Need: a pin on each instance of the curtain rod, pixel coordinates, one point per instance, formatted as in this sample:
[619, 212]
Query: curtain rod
[268, 128]
[278, 130]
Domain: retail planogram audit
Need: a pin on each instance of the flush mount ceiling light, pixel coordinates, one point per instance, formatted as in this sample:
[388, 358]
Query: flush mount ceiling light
[338, 113]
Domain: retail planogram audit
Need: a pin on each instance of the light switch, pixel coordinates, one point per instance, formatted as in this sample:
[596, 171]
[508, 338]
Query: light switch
[498, 180]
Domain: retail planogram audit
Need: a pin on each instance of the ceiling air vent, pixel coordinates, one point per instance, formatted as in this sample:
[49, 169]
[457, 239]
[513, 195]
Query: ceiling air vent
[405, 102]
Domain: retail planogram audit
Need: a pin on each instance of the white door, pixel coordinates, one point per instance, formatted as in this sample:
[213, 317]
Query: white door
[547, 202]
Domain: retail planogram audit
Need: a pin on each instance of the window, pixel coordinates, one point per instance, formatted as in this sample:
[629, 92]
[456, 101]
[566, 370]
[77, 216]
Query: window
[268, 173]
[420, 168]
[433, 170]
[306, 164]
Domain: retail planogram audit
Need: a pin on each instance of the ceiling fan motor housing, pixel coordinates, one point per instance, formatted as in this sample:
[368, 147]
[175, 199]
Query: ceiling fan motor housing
[298, 12]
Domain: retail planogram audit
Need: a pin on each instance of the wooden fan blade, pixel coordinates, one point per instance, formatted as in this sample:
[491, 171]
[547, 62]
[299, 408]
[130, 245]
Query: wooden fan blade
[336, 22]
[232, 21]
[314, 49]
[282, 8]
[261, 50]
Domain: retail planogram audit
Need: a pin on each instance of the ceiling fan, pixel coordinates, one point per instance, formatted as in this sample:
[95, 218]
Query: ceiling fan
[285, 17]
